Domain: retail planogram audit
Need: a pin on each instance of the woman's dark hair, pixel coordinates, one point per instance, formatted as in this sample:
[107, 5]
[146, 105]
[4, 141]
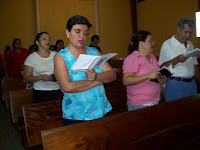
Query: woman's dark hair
[52, 46]
[16, 39]
[94, 37]
[6, 49]
[58, 41]
[77, 20]
[31, 48]
[37, 39]
[136, 38]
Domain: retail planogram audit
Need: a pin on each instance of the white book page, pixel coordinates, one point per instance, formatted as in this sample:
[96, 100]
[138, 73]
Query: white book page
[194, 52]
[83, 62]
[169, 68]
[103, 59]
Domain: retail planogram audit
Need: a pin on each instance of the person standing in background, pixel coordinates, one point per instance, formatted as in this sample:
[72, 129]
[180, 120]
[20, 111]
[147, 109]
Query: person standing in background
[59, 45]
[38, 70]
[95, 42]
[14, 60]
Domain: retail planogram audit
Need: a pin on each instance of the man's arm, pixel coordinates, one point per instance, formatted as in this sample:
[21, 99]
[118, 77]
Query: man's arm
[165, 60]
[180, 58]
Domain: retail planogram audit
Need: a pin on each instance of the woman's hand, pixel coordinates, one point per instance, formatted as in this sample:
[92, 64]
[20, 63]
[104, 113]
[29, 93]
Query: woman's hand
[91, 75]
[154, 74]
[46, 78]
[162, 79]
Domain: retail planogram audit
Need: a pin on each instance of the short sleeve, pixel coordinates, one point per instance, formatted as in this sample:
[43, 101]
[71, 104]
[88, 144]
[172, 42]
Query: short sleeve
[194, 57]
[164, 54]
[8, 56]
[30, 60]
[131, 64]
[195, 61]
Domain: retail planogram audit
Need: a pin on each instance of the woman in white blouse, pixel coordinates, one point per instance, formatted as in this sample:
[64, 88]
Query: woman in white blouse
[38, 70]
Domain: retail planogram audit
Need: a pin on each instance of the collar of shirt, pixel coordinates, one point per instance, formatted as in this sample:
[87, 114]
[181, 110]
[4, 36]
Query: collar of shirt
[177, 43]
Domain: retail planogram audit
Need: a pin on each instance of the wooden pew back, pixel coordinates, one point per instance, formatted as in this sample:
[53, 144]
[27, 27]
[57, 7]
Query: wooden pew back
[11, 85]
[123, 131]
[41, 116]
[17, 99]
[116, 94]
[116, 63]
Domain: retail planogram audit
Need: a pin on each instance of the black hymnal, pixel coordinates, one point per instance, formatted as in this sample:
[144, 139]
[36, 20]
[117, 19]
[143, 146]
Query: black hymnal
[54, 78]
[163, 72]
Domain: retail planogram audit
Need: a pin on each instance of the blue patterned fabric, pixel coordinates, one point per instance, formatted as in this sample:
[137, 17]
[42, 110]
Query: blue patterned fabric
[86, 105]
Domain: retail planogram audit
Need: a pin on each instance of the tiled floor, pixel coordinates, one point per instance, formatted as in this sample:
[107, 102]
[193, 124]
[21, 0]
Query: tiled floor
[10, 138]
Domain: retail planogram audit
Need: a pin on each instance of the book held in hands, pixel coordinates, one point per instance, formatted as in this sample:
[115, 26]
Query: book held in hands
[165, 71]
[85, 62]
[194, 52]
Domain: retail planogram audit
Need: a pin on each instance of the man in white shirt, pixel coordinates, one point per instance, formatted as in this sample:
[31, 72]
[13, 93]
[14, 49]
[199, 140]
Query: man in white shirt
[182, 83]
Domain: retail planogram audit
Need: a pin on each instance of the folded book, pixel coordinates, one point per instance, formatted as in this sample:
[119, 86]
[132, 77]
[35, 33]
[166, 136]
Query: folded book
[165, 71]
[85, 62]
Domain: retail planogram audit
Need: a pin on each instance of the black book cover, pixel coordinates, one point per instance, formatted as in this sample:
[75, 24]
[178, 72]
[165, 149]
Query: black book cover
[163, 72]
[54, 78]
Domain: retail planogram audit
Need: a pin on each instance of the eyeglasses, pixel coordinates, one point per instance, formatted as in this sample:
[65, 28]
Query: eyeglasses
[78, 32]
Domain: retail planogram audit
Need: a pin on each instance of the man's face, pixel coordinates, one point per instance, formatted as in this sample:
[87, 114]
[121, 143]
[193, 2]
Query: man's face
[185, 33]
[95, 42]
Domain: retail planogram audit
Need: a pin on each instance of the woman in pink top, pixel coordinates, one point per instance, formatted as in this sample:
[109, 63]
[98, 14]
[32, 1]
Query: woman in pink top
[138, 69]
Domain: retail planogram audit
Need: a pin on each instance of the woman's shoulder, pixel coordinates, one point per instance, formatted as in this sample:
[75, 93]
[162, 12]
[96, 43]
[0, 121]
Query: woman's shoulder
[31, 58]
[152, 56]
[53, 53]
[32, 55]
[63, 51]
[91, 50]
[134, 55]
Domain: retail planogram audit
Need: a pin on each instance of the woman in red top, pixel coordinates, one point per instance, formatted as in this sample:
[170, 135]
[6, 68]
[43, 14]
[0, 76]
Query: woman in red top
[14, 60]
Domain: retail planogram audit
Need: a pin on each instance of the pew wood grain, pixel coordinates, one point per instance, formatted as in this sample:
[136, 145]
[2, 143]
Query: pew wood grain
[41, 116]
[133, 129]
[11, 85]
[17, 99]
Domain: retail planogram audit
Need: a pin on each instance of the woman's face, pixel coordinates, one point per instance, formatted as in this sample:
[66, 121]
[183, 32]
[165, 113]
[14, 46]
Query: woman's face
[148, 44]
[78, 35]
[17, 44]
[44, 41]
[60, 45]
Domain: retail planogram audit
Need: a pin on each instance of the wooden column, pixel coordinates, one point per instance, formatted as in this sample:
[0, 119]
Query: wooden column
[134, 15]
[199, 5]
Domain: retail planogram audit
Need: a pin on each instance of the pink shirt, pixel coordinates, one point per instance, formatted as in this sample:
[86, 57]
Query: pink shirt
[147, 91]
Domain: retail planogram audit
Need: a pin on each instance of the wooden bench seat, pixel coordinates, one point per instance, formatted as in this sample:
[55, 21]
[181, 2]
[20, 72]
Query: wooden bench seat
[11, 85]
[17, 99]
[41, 116]
[132, 129]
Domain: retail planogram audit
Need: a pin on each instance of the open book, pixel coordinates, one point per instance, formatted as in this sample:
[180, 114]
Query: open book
[85, 62]
[165, 71]
[194, 52]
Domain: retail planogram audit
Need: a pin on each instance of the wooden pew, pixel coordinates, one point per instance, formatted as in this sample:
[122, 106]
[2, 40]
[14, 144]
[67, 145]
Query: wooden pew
[41, 116]
[11, 85]
[173, 125]
[116, 94]
[17, 99]
[116, 63]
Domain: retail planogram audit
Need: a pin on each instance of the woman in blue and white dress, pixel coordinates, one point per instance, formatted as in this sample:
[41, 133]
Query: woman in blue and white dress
[84, 95]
